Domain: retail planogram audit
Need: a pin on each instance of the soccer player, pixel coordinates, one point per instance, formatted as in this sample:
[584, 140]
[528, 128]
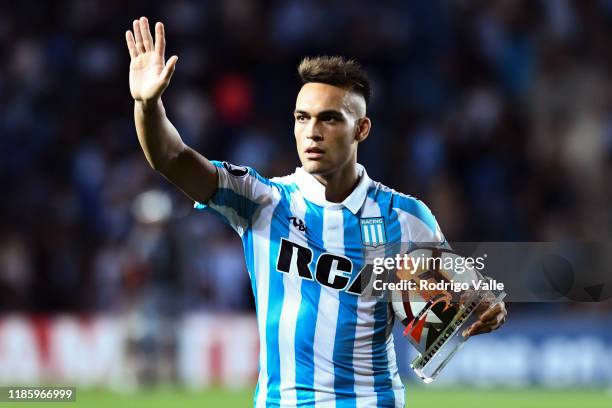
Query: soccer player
[320, 342]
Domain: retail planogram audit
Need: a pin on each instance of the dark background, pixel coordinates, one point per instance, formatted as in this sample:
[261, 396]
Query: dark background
[497, 114]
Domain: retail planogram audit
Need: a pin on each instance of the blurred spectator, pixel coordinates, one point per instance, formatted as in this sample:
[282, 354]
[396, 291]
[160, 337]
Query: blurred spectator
[496, 111]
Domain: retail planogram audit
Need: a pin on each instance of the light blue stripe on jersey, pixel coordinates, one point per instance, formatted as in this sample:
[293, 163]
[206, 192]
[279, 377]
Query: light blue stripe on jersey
[380, 363]
[344, 343]
[276, 291]
[412, 206]
[307, 315]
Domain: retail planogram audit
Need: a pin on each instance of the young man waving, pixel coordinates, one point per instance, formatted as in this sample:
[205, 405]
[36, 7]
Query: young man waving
[321, 343]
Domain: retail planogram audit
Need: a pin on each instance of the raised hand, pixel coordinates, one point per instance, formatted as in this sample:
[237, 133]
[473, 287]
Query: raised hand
[149, 74]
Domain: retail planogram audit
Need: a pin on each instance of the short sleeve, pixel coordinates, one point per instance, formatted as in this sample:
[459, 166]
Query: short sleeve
[240, 193]
[432, 233]
[418, 222]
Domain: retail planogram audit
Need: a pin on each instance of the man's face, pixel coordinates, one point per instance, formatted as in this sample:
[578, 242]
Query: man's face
[329, 123]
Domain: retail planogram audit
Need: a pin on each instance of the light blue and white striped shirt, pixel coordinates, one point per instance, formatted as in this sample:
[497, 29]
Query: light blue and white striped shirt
[321, 344]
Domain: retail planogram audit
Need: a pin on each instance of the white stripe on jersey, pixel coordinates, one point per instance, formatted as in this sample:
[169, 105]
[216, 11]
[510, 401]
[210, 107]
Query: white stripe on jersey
[365, 311]
[362, 354]
[419, 231]
[327, 314]
[292, 299]
[261, 260]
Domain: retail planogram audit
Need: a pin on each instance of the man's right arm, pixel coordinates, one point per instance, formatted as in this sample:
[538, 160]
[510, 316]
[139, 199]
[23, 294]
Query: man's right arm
[161, 143]
[165, 151]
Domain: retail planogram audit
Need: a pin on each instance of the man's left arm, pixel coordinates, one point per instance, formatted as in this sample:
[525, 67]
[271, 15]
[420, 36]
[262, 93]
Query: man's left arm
[491, 316]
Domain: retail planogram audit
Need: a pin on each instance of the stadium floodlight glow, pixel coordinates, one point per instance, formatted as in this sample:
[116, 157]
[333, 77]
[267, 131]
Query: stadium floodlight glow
[152, 206]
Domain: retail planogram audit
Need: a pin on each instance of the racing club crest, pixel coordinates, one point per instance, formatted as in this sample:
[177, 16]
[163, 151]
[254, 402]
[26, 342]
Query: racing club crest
[373, 231]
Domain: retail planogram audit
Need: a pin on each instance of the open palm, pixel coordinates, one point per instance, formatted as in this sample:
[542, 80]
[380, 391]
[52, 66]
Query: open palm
[149, 74]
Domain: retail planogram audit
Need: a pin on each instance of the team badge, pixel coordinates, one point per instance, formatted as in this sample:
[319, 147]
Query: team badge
[373, 231]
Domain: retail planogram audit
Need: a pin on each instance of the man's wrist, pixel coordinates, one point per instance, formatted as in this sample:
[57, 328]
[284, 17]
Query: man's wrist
[147, 105]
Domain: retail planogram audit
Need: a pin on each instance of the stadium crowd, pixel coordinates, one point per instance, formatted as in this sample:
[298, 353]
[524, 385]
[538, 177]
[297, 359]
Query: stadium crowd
[497, 114]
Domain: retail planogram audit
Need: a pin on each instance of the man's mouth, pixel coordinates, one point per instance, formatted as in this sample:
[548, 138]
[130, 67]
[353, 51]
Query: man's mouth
[314, 152]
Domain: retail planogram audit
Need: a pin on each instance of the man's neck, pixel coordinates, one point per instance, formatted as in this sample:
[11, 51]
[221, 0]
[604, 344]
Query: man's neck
[339, 184]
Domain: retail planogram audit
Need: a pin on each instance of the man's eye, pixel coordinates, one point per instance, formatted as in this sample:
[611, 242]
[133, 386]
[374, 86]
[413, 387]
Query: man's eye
[300, 118]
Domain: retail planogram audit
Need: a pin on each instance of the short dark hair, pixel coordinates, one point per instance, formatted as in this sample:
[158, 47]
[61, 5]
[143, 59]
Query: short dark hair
[337, 71]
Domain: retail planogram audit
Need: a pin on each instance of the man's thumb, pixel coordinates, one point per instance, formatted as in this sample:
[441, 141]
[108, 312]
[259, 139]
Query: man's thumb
[168, 70]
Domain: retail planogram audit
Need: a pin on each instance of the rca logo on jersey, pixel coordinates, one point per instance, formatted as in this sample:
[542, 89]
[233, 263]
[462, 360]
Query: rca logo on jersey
[333, 271]
[373, 231]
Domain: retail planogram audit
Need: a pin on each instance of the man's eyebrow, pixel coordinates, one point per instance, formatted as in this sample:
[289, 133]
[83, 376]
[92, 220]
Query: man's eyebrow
[329, 112]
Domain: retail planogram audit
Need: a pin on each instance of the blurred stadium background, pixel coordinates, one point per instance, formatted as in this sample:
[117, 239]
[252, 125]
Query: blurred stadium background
[498, 114]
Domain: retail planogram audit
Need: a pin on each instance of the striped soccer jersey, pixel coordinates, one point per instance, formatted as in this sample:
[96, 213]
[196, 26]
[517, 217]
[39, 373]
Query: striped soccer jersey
[321, 344]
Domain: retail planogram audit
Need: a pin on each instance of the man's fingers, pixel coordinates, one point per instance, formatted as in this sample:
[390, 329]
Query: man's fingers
[482, 307]
[486, 303]
[487, 323]
[496, 320]
[472, 329]
[131, 44]
[481, 330]
[160, 40]
[491, 313]
[146, 34]
[168, 70]
[138, 36]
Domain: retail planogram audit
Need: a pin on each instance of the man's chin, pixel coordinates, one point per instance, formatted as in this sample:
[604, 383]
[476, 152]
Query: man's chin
[314, 167]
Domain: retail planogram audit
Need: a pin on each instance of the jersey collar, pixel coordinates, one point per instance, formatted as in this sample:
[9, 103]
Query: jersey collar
[314, 191]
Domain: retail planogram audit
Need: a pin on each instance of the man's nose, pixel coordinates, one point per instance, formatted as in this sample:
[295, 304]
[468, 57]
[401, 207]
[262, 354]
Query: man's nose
[313, 131]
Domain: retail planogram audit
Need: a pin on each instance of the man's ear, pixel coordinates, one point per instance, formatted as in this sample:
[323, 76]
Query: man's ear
[363, 129]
